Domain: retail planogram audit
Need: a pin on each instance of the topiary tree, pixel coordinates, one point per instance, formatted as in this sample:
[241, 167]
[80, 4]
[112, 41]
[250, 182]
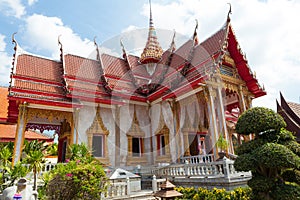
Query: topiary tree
[273, 156]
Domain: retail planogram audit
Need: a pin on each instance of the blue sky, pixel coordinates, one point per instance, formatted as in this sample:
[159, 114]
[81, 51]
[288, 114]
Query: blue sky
[268, 31]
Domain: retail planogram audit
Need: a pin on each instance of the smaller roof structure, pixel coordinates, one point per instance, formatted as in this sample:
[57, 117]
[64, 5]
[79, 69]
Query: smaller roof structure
[290, 112]
[167, 191]
[8, 134]
[122, 174]
[152, 52]
[8, 130]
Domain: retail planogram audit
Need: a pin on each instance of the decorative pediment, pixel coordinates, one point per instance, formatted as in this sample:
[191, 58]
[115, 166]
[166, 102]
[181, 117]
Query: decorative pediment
[97, 125]
[135, 129]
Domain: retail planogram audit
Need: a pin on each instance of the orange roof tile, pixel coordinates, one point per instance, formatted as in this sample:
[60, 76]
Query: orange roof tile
[80, 67]
[3, 102]
[8, 132]
[39, 68]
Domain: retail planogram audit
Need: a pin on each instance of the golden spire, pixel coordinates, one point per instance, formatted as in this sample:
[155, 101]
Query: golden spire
[152, 52]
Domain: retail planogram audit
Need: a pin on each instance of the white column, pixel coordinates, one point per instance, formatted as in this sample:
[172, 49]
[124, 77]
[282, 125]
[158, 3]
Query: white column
[213, 119]
[223, 114]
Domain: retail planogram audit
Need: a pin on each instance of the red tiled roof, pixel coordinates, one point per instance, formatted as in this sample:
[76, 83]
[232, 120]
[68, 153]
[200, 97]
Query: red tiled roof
[38, 68]
[3, 102]
[36, 86]
[83, 68]
[114, 66]
[242, 65]
[213, 43]
[7, 133]
[77, 77]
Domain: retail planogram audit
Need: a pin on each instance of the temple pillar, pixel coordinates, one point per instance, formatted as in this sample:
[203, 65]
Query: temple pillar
[223, 120]
[117, 136]
[243, 103]
[75, 126]
[213, 119]
[20, 133]
[72, 132]
[177, 132]
[186, 143]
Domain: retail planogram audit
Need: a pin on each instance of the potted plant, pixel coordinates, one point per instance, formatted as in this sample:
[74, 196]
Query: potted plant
[222, 144]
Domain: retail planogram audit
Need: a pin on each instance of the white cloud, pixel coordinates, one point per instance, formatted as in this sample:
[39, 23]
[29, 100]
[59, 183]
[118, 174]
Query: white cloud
[41, 33]
[31, 2]
[12, 8]
[268, 33]
[5, 63]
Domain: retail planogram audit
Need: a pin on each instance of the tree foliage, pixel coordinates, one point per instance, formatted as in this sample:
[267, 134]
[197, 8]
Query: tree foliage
[259, 119]
[273, 156]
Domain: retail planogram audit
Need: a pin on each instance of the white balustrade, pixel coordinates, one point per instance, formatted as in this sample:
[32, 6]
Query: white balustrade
[194, 168]
[118, 189]
[207, 158]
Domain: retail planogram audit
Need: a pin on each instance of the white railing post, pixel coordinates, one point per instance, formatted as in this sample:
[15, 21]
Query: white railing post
[154, 184]
[128, 186]
[226, 167]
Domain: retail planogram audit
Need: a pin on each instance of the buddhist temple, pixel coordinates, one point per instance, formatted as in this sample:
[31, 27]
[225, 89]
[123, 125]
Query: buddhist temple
[149, 109]
[290, 112]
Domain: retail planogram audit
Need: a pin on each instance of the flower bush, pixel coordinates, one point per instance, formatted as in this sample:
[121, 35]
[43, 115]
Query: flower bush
[82, 178]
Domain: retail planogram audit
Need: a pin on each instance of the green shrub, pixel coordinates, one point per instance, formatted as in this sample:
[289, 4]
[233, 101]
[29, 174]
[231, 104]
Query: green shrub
[259, 119]
[82, 177]
[215, 194]
[291, 175]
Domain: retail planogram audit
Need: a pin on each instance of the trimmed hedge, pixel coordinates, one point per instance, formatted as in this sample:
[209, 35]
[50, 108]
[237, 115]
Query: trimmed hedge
[215, 194]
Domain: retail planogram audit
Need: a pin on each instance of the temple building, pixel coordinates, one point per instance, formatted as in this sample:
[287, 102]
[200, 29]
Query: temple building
[149, 109]
[290, 112]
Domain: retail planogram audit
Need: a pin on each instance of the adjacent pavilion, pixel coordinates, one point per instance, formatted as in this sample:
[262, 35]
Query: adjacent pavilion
[290, 112]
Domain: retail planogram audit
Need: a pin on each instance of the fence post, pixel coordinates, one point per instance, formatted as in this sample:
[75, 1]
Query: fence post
[226, 169]
[154, 184]
[128, 186]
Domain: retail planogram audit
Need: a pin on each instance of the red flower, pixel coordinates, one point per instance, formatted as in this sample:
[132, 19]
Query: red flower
[69, 175]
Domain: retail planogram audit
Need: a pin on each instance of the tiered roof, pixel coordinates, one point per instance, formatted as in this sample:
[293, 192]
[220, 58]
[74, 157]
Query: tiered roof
[110, 79]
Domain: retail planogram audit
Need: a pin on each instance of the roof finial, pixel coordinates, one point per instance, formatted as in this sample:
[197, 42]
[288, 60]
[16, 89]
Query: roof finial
[195, 37]
[229, 12]
[97, 48]
[14, 41]
[151, 19]
[14, 58]
[123, 48]
[173, 46]
[60, 47]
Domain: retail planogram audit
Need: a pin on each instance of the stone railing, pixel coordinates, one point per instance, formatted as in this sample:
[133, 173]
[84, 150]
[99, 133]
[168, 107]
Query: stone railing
[197, 159]
[156, 183]
[118, 189]
[223, 168]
